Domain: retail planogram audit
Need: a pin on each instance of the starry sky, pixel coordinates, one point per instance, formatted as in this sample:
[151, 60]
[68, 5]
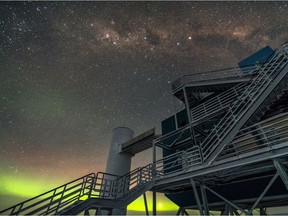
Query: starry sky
[70, 72]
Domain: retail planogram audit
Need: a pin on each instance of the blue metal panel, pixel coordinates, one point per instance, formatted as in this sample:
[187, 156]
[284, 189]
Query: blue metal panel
[182, 118]
[259, 57]
[168, 125]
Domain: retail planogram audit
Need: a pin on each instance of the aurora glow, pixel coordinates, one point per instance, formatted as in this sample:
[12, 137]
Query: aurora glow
[26, 188]
[163, 204]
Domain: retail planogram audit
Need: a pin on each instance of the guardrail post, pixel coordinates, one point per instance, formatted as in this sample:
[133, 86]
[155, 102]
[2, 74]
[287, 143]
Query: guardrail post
[91, 187]
[64, 189]
[47, 212]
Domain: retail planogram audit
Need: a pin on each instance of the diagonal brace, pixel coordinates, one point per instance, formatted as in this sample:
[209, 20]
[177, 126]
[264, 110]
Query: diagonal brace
[282, 172]
[226, 200]
[263, 193]
[197, 197]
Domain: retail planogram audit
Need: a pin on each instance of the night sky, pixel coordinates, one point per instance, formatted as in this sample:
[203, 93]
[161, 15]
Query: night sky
[73, 71]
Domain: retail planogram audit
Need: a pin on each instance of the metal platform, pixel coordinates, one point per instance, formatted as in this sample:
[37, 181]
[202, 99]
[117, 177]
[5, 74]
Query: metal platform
[140, 143]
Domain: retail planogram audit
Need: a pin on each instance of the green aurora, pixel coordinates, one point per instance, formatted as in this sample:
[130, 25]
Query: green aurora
[23, 188]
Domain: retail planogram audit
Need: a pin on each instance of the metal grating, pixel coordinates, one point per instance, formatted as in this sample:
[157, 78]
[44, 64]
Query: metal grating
[140, 143]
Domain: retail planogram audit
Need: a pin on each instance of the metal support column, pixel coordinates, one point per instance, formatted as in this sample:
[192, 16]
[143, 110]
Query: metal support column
[190, 119]
[185, 212]
[145, 203]
[227, 209]
[282, 172]
[86, 212]
[204, 199]
[154, 203]
[235, 212]
[189, 114]
[179, 211]
[263, 193]
[263, 211]
[154, 210]
[154, 153]
[187, 106]
[196, 196]
[98, 211]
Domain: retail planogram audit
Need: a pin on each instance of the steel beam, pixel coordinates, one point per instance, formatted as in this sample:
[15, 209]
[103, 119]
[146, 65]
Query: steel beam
[226, 200]
[204, 199]
[98, 211]
[227, 209]
[185, 212]
[188, 109]
[190, 119]
[86, 212]
[282, 172]
[236, 162]
[235, 212]
[154, 203]
[179, 211]
[153, 177]
[145, 203]
[196, 197]
[263, 211]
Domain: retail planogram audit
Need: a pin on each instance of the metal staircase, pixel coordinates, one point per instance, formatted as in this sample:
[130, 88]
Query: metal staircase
[124, 188]
[103, 189]
[204, 111]
[215, 105]
[53, 201]
[260, 86]
[231, 98]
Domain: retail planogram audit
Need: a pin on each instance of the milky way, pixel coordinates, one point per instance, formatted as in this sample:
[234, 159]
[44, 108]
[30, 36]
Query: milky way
[72, 71]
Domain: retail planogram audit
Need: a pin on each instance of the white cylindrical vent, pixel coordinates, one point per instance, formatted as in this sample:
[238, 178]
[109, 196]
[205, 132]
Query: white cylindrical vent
[117, 163]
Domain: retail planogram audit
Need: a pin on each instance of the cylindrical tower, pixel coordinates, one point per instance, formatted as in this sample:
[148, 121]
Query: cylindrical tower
[119, 163]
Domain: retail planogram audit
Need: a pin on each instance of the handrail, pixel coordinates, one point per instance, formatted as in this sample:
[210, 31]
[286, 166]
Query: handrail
[29, 204]
[205, 110]
[213, 75]
[251, 93]
[216, 104]
[119, 187]
[266, 135]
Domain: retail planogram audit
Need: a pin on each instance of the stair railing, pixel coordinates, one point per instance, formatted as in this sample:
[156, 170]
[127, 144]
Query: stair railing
[216, 104]
[257, 85]
[177, 162]
[266, 134]
[104, 186]
[133, 181]
[212, 75]
[51, 202]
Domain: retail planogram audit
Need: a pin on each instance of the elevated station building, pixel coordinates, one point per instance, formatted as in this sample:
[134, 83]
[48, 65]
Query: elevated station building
[225, 149]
